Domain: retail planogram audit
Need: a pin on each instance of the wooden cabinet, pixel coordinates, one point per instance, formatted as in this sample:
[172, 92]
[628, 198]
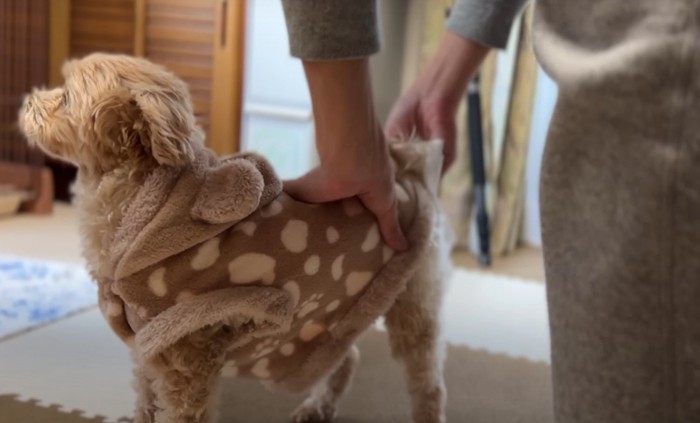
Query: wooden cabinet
[200, 40]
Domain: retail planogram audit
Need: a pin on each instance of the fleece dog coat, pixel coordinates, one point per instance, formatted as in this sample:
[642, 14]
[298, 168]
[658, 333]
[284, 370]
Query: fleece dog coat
[218, 241]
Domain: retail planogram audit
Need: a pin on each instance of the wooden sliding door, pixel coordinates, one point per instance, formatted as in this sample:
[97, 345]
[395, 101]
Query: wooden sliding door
[180, 35]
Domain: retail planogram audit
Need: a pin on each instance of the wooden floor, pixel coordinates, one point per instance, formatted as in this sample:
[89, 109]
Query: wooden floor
[525, 262]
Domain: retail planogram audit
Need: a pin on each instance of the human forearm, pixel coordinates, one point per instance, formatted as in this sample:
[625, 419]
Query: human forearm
[445, 78]
[334, 39]
[341, 96]
[350, 142]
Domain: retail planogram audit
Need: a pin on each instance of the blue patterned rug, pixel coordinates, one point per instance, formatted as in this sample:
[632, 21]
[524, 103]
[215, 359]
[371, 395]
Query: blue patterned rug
[34, 292]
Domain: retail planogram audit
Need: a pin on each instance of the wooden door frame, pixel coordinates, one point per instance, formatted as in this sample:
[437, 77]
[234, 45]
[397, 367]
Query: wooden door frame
[59, 39]
[140, 27]
[227, 81]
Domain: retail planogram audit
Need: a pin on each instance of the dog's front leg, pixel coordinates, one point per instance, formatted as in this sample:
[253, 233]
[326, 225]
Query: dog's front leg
[320, 406]
[145, 396]
[187, 374]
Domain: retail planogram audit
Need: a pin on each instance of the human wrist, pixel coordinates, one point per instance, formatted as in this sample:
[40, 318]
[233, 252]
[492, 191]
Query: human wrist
[445, 79]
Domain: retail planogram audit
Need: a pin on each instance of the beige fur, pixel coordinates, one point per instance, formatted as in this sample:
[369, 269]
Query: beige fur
[126, 123]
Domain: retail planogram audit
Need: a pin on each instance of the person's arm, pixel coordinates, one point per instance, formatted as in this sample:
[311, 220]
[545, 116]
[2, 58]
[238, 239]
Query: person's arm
[331, 29]
[333, 38]
[487, 22]
[428, 109]
[349, 138]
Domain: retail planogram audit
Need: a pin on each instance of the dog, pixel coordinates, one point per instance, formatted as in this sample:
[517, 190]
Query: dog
[206, 267]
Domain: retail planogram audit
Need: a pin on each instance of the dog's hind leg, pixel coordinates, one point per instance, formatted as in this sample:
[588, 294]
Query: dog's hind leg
[413, 324]
[187, 374]
[321, 403]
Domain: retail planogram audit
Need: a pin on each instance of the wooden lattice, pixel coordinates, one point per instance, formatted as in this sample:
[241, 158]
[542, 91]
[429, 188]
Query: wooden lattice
[23, 65]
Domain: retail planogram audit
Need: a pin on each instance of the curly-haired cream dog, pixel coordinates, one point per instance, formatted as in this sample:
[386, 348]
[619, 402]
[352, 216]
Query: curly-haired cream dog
[205, 266]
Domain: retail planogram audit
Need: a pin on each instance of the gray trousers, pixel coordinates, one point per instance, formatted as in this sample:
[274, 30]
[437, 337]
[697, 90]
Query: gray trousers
[620, 201]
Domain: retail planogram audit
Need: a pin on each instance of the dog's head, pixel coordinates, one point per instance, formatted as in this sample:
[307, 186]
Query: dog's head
[113, 111]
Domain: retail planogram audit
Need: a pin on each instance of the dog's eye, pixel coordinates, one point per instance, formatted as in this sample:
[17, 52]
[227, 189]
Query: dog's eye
[64, 98]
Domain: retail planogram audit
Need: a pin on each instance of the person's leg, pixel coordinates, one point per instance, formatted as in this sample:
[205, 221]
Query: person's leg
[620, 196]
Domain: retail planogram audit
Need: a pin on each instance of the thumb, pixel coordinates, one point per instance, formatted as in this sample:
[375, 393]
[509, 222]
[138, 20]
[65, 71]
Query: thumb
[388, 221]
[446, 130]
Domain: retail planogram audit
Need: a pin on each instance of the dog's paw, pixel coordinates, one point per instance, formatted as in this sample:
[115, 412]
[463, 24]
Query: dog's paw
[314, 412]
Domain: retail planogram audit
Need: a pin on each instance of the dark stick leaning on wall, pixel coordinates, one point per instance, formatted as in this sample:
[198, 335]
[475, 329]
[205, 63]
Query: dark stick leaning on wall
[478, 169]
[476, 151]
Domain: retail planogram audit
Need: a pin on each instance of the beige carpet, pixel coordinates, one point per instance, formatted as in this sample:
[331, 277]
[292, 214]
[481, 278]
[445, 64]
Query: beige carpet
[483, 388]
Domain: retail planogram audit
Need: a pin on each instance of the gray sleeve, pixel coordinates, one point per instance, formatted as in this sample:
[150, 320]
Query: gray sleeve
[331, 29]
[484, 21]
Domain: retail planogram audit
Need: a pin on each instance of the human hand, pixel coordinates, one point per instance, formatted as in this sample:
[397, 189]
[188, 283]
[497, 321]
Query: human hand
[352, 149]
[428, 109]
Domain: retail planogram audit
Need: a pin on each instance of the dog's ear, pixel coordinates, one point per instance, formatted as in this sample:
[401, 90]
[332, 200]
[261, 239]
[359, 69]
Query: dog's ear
[231, 192]
[159, 121]
[169, 124]
[117, 123]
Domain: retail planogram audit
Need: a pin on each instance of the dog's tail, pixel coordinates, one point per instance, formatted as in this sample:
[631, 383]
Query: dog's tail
[419, 159]
[422, 160]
